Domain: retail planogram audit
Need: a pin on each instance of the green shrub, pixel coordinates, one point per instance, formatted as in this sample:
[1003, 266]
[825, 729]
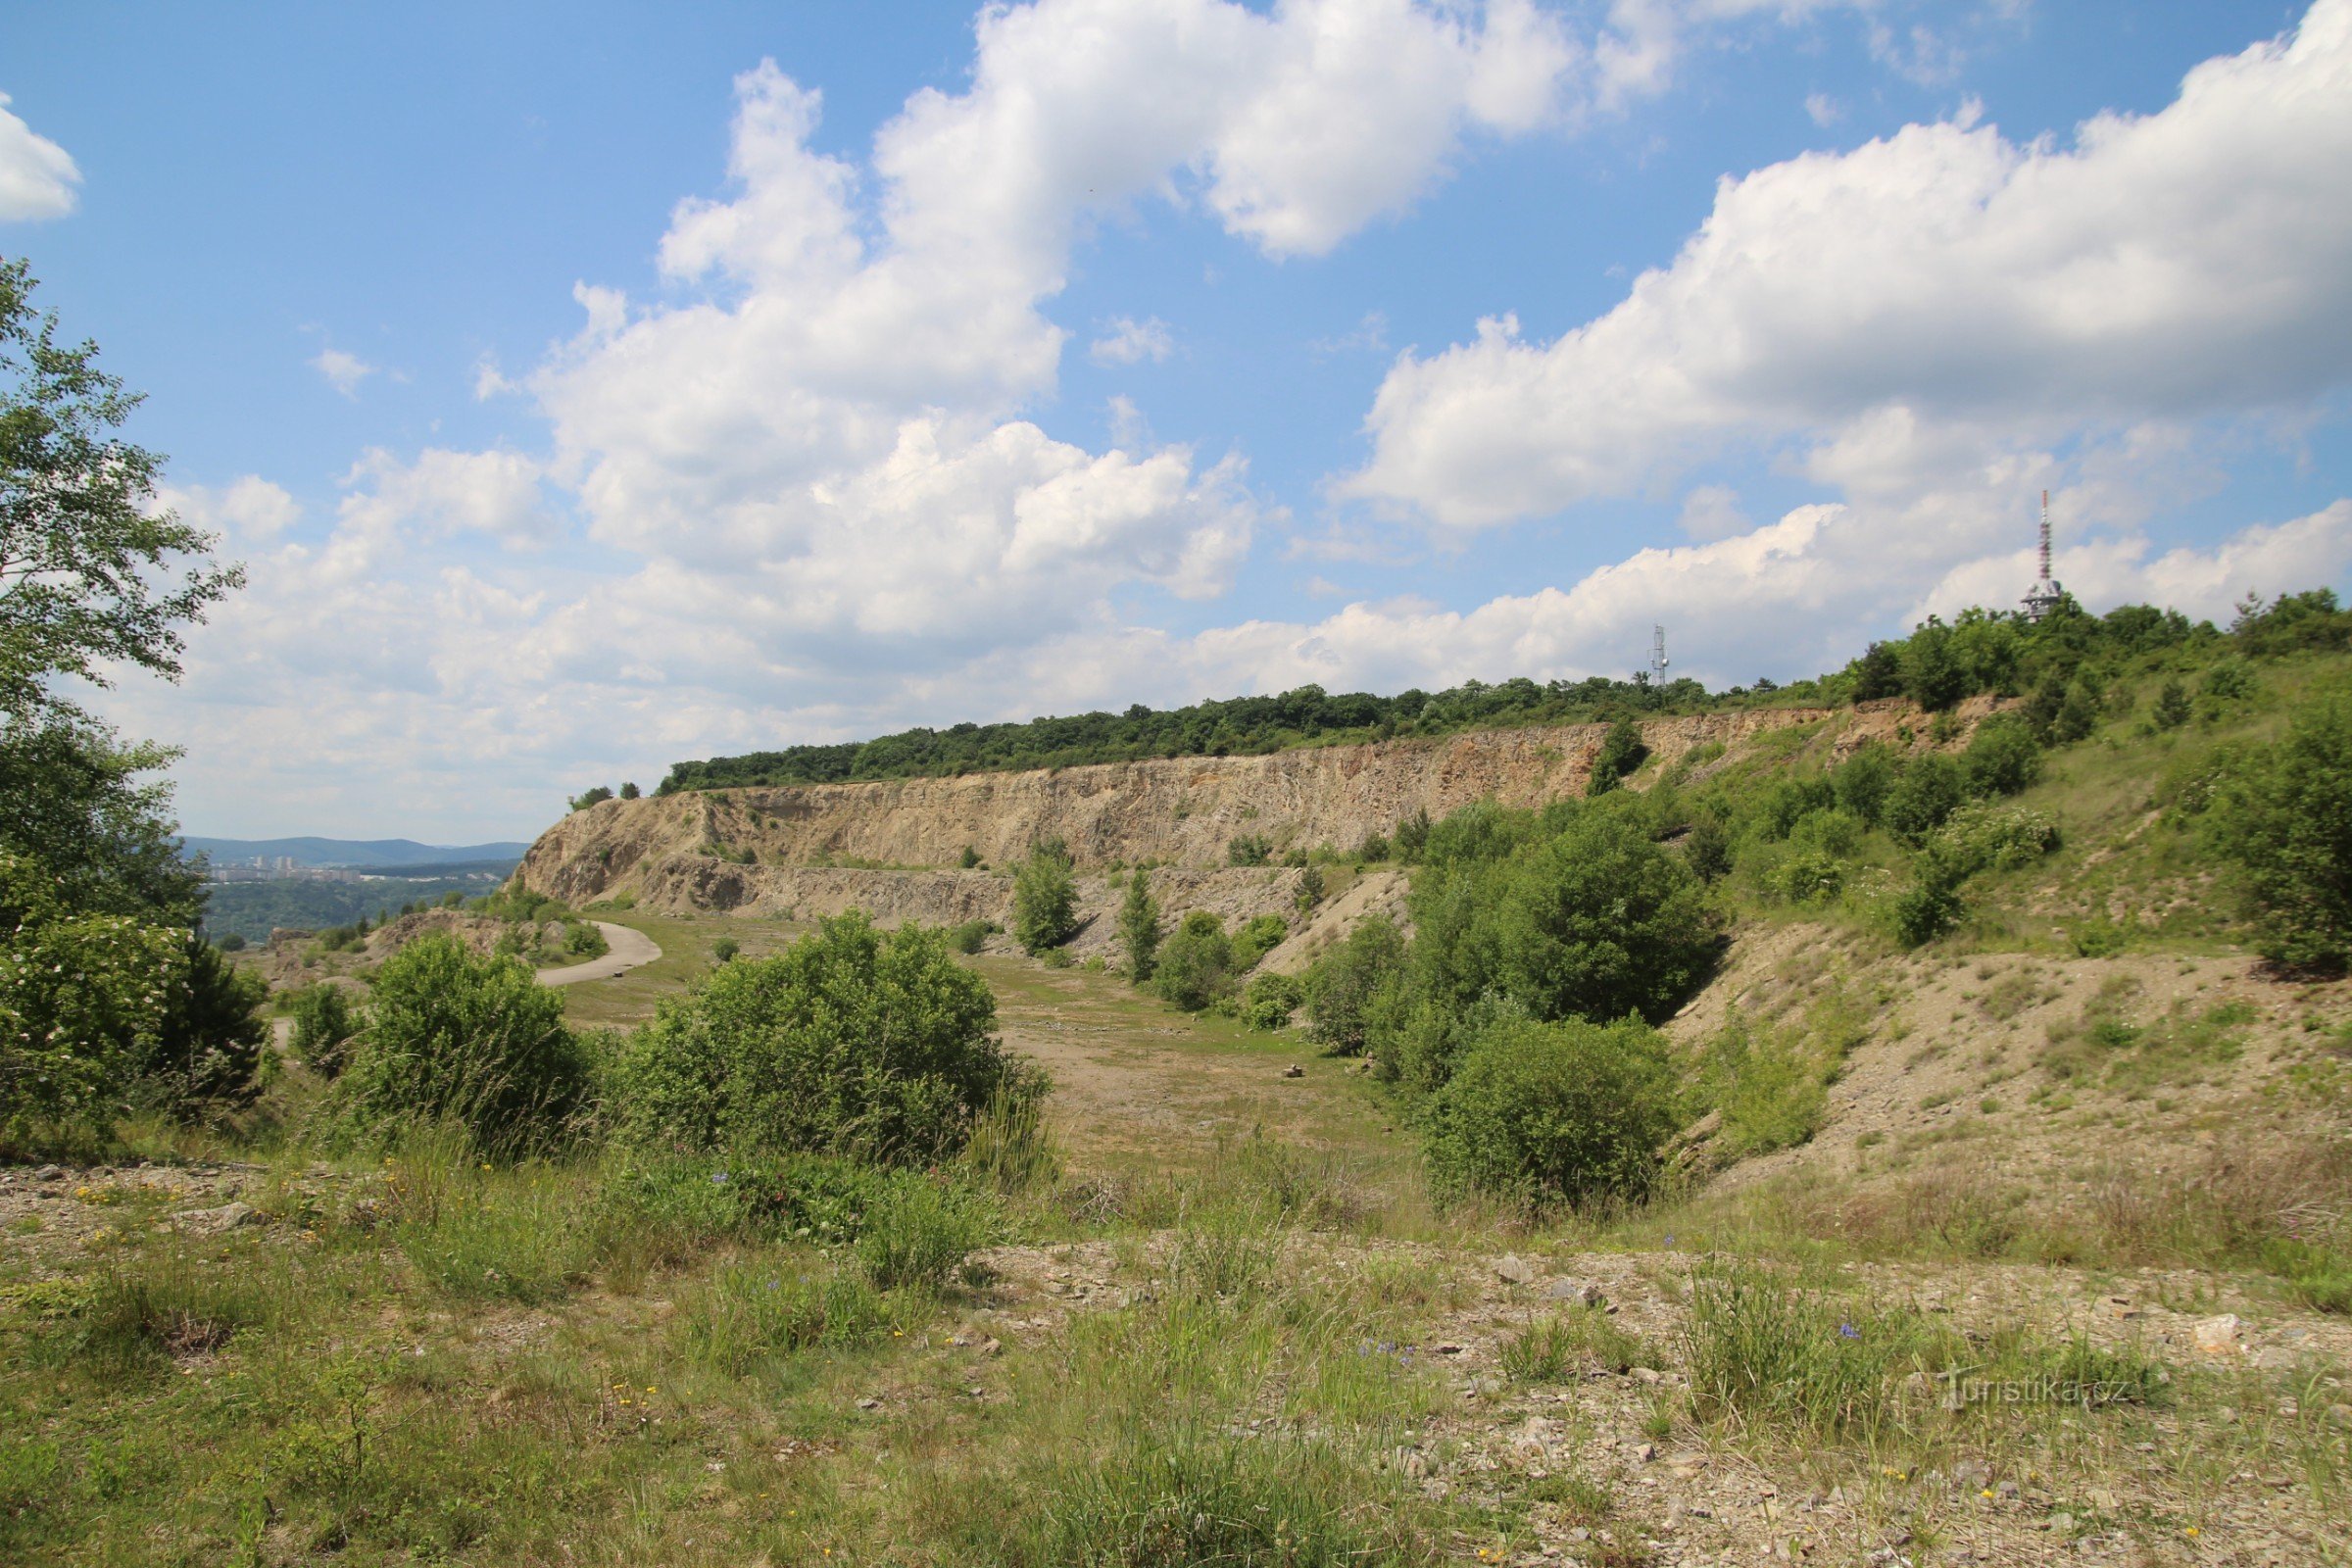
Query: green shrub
[1930, 789]
[1568, 1110]
[2002, 757]
[2286, 819]
[1707, 848]
[1982, 836]
[969, 936]
[1195, 966]
[725, 950]
[969, 859]
[1259, 936]
[2173, 709]
[1045, 899]
[1864, 781]
[1270, 1000]
[209, 1053]
[1620, 752]
[851, 1040]
[1761, 1348]
[692, 1199]
[1932, 905]
[473, 1041]
[1342, 984]
[324, 1023]
[1248, 848]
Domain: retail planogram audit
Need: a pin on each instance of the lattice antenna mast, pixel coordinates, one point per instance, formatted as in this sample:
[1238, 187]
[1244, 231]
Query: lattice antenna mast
[1657, 655]
[2045, 593]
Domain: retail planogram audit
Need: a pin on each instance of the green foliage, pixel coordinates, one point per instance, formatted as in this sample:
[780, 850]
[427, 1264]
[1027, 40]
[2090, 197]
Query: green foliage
[84, 1002]
[473, 1042]
[2173, 709]
[1270, 1000]
[1259, 936]
[1707, 848]
[1045, 899]
[1561, 1111]
[725, 950]
[594, 796]
[1139, 928]
[93, 576]
[851, 1040]
[1248, 848]
[208, 1052]
[1196, 967]
[1933, 675]
[759, 1308]
[1764, 1350]
[629, 790]
[1863, 782]
[2286, 819]
[1930, 789]
[1982, 836]
[1343, 985]
[968, 859]
[77, 808]
[325, 1022]
[2002, 757]
[919, 1231]
[1411, 837]
[1621, 751]
[971, 935]
[1932, 905]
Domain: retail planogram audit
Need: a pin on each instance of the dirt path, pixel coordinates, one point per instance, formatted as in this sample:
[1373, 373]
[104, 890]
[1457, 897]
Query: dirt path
[632, 948]
[1136, 1082]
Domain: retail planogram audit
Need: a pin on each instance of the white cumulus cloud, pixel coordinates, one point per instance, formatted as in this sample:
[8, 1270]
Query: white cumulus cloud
[249, 510]
[1127, 341]
[2189, 262]
[344, 372]
[38, 177]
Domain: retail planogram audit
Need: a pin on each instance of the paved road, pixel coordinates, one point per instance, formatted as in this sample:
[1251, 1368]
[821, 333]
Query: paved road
[631, 947]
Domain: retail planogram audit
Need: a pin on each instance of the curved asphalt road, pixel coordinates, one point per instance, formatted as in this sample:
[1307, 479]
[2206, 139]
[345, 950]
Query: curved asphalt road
[632, 948]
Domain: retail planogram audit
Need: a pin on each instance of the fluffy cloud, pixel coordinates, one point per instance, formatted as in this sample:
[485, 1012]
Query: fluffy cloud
[250, 510]
[38, 177]
[2185, 263]
[1127, 341]
[344, 372]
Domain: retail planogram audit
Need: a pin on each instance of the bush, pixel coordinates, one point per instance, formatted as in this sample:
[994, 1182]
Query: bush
[324, 1023]
[231, 941]
[208, 1054]
[474, 1041]
[851, 1041]
[2286, 821]
[1560, 1111]
[1864, 781]
[1259, 936]
[725, 950]
[969, 936]
[1999, 838]
[1930, 790]
[2172, 709]
[1045, 899]
[1707, 848]
[1342, 984]
[1195, 963]
[1140, 929]
[1932, 905]
[1620, 752]
[591, 797]
[1270, 1000]
[1248, 848]
[2002, 758]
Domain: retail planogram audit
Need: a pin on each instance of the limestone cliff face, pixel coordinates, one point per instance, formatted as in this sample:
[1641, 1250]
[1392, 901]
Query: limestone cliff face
[1179, 811]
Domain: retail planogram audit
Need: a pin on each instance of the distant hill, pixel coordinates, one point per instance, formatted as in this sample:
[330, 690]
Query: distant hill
[361, 854]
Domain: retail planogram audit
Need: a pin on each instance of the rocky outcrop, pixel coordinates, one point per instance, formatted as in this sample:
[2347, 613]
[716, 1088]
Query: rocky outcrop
[888, 847]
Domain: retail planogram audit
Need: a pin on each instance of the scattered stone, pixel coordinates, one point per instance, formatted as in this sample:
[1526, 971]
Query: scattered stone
[1448, 1348]
[869, 1403]
[2007, 1491]
[2062, 1523]
[992, 1347]
[1571, 1291]
[2339, 1415]
[1515, 1270]
[217, 1221]
[1294, 1071]
[1645, 1374]
[2217, 1336]
[50, 1173]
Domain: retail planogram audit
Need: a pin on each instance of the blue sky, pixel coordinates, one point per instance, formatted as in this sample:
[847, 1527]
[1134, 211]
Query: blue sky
[587, 387]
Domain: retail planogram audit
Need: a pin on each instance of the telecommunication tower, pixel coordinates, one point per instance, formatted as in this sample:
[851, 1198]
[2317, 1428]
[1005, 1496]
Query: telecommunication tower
[1657, 655]
[2045, 595]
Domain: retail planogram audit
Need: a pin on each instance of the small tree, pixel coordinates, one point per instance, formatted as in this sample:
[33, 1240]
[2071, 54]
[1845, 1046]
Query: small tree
[1930, 789]
[2002, 758]
[1621, 751]
[1195, 963]
[629, 791]
[1248, 848]
[591, 797]
[2173, 709]
[1341, 985]
[325, 1022]
[1045, 899]
[1140, 929]
[208, 1055]
[1863, 781]
[1707, 848]
[2287, 820]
